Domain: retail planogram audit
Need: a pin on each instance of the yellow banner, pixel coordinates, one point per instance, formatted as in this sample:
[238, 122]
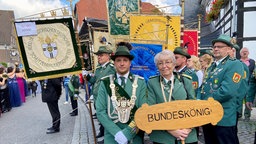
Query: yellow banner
[51, 49]
[156, 30]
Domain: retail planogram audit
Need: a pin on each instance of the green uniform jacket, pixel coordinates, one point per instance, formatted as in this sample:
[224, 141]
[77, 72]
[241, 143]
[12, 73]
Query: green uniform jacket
[73, 85]
[99, 73]
[193, 75]
[102, 106]
[221, 83]
[252, 87]
[155, 96]
[243, 89]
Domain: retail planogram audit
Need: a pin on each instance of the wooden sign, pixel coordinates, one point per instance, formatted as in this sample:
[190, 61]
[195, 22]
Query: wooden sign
[178, 114]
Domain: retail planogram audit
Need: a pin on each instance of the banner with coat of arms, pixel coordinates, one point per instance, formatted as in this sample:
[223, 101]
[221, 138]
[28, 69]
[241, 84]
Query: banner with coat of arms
[190, 40]
[163, 30]
[119, 12]
[48, 48]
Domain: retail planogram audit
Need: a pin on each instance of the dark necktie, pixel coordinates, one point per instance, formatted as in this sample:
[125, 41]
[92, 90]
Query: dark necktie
[122, 81]
[214, 65]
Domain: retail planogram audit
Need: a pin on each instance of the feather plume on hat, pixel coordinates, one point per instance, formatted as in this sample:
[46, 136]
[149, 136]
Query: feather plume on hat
[126, 44]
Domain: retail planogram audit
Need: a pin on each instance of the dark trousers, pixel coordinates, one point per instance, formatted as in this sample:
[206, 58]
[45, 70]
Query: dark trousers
[220, 134]
[74, 105]
[5, 99]
[101, 128]
[176, 142]
[55, 113]
[236, 126]
[255, 138]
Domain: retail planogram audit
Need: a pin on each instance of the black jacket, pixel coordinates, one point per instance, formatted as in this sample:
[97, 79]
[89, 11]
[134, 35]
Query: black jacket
[51, 89]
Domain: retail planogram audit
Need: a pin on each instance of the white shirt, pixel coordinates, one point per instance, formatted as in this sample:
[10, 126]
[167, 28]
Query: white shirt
[119, 80]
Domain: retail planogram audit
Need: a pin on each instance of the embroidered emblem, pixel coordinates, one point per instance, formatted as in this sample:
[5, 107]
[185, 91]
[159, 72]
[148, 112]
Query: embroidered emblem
[236, 77]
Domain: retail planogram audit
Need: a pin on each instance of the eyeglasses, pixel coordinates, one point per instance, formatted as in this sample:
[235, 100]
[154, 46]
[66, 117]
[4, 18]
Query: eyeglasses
[218, 46]
[162, 63]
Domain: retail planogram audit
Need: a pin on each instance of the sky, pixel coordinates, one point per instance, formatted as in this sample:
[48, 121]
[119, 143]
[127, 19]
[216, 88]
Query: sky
[24, 8]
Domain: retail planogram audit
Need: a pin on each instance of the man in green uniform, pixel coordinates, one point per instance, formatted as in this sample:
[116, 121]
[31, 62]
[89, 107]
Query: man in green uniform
[104, 68]
[242, 90]
[251, 93]
[182, 57]
[73, 86]
[119, 96]
[222, 80]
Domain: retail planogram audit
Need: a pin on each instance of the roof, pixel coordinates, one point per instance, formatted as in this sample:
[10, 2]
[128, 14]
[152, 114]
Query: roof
[6, 25]
[92, 9]
[97, 9]
[148, 8]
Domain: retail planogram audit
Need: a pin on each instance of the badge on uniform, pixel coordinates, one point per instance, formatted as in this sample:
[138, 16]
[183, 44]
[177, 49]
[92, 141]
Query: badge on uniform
[195, 84]
[244, 75]
[236, 77]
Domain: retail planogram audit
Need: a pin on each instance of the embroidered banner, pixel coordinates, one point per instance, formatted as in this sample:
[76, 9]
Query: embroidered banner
[153, 29]
[53, 52]
[190, 39]
[118, 15]
[143, 62]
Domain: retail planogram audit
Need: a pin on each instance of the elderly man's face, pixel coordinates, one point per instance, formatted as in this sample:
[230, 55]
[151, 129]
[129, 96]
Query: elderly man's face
[103, 58]
[244, 53]
[220, 50]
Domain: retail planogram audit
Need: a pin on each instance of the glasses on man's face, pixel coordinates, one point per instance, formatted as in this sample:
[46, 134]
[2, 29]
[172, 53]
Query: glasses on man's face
[162, 63]
[218, 47]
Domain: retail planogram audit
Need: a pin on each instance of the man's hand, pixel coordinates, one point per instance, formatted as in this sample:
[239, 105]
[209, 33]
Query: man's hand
[85, 72]
[249, 105]
[120, 138]
[180, 134]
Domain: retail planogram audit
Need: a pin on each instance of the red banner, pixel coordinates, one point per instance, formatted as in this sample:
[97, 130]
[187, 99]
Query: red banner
[190, 40]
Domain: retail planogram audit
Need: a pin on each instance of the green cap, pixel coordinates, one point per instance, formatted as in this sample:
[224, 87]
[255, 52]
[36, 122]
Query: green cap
[225, 39]
[103, 49]
[122, 51]
[181, 51]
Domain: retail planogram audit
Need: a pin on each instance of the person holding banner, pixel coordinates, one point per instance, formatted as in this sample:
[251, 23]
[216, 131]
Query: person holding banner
[166, 87]
[221, 81]
[119, 96]
[104, 68]
[51, 92]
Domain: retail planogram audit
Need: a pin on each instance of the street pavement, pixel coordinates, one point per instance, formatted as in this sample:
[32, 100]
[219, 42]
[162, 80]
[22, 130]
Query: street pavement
[27, 124]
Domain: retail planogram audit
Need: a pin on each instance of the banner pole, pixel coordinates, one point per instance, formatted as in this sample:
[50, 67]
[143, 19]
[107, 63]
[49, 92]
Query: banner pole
[82, 61]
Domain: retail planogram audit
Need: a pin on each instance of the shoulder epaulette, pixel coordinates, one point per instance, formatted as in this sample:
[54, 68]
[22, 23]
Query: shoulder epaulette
[140, 77]
[111, 65]
[153, 76]
[105, 77]
[187, 76]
